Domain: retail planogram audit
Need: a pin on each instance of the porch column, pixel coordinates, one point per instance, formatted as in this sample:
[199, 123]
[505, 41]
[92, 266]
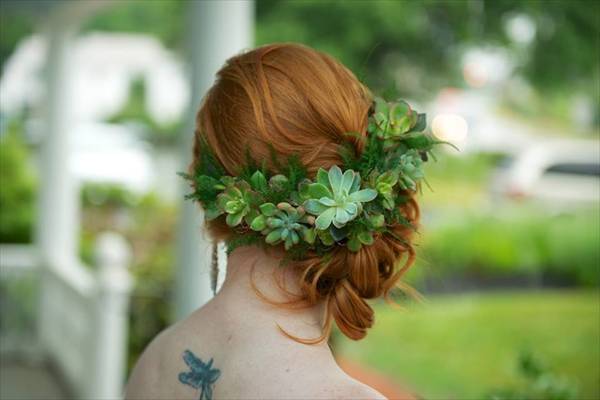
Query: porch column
[217, 30]
[58, 203]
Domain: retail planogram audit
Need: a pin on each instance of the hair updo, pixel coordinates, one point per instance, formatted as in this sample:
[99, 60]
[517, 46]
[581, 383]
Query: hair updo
[298, 101]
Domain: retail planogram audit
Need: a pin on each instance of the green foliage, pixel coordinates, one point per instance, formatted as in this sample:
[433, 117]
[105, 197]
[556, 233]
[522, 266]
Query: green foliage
[111, 196]
[151, 234]
[540, 383]
[17, 188]
[420, 55]
[516, 242]
[426, 45]
[19, 297]
[341, 203]
[163, 19]
[14, 26]
[367, 36]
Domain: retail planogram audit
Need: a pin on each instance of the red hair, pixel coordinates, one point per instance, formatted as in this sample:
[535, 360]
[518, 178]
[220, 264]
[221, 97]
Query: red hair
[299, 101]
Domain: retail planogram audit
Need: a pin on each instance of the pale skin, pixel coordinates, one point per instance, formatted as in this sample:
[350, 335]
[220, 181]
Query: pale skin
[252, 359]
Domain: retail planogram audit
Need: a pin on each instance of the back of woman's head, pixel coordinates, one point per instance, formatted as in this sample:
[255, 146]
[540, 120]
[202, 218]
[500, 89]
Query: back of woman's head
[288, 99]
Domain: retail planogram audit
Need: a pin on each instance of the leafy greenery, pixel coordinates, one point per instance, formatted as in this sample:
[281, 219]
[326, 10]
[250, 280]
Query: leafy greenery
[464, 346]
[17, 192]
[420, 55]
[540, 383]
[519, 241]
[346, 209]
[14, 26]
[367, 37]
[425, 47]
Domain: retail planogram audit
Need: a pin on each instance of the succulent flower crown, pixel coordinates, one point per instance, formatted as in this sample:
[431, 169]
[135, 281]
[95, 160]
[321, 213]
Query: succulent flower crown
[340, 207]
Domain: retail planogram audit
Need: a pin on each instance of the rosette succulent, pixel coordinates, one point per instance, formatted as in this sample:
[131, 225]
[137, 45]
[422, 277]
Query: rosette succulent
[336, 198]
[284, 223]
[278, 182]
[384, 184]
[236, 201]
[394, 120]
[411, 171]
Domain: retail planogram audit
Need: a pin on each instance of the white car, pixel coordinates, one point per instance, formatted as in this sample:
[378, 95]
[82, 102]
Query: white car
[558, 173]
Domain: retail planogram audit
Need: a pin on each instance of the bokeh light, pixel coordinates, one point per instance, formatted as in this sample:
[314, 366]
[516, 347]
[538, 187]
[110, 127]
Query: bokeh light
[450, 127]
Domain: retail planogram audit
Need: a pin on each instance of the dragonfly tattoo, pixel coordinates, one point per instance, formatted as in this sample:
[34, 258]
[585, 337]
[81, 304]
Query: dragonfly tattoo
[201, 376]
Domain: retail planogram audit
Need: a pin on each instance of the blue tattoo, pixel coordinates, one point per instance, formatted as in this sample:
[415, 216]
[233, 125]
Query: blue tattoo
[201, 376]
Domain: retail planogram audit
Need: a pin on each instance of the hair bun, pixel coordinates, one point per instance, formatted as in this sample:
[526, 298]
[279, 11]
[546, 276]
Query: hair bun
[369, 273]
[352, 314]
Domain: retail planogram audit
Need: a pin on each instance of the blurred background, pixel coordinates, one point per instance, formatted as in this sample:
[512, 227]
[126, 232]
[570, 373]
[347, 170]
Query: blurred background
[98, 253]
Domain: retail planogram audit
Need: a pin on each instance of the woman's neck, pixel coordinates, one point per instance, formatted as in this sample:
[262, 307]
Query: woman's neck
[238, 297]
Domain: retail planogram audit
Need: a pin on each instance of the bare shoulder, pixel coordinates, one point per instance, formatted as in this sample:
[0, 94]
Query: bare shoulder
[342, 386]
[147, 368]
[357, 390]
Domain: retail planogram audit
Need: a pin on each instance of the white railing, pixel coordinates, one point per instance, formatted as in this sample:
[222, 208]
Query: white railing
[82, 315]
[19, 282]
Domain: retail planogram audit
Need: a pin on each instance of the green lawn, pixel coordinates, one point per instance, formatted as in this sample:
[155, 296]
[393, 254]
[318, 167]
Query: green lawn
[462, 346]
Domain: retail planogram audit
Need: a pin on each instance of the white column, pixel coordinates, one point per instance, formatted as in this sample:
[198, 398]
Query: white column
[217, 31]
[58, 203]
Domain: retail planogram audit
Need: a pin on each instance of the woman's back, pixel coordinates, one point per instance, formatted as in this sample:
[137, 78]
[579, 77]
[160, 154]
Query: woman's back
[231, 349]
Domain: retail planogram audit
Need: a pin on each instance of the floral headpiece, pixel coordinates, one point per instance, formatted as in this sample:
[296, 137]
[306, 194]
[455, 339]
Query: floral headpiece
[340, 207]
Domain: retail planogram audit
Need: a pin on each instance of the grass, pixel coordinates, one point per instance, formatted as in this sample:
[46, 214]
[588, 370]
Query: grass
[463, 346]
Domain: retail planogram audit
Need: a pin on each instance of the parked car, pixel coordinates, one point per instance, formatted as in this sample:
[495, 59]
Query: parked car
[559, 173]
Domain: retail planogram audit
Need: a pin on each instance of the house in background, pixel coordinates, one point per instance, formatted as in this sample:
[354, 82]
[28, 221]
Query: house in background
[103, 69]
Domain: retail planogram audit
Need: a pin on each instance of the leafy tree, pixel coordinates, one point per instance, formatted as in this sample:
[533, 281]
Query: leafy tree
[15, 24]
[418, 43]
[17, 188]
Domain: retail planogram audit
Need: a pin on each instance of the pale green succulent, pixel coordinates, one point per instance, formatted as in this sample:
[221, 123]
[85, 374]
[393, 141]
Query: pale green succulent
[236, 202]
[410, 168]
[336, 198]
[284, 223]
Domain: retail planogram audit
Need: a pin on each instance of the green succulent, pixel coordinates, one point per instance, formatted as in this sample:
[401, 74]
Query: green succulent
[236, 201]
[258, 181]
[325, 237]
[376, 220]
[336, 198]
[411, 170]
[336, 208]
[394, 120]
[384, 184]
[358, 239]
[278, 182]
[284, 223]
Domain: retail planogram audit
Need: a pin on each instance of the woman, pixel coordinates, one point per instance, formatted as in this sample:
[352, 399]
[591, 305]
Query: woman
[281, 142]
